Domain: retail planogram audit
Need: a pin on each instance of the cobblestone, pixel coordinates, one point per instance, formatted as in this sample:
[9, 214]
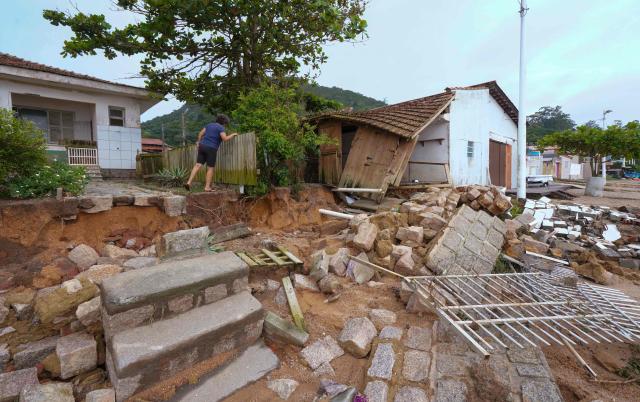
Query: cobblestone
[376, 391]
[532, 370]
[451, 391]
[390, 333]
[416, 365]
[540, 391]
[383, 361]
[410, 394]
[418, 338]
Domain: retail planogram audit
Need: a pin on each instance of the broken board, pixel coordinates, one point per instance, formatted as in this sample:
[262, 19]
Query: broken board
[270, 258]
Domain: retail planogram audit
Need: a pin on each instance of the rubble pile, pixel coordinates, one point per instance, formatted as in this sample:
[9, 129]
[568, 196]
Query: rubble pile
[488, 198]
[587, 239]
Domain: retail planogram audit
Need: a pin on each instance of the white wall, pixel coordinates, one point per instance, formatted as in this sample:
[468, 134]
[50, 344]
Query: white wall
[432, 146]
[128, 137]
[476, 116]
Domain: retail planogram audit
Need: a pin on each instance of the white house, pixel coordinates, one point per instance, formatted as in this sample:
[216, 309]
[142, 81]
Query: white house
[86, 120]
[464, 135]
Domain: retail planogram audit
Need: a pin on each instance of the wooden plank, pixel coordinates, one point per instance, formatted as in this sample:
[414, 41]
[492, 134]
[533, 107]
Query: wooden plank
[250, 262]
[291, 256]
[273, 257]
[296, 312]
[230, 232]
[447, 173]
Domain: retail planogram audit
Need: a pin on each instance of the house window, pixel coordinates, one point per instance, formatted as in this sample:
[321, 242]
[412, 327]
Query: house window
[60, 126]
[469, 149]
[116, 116]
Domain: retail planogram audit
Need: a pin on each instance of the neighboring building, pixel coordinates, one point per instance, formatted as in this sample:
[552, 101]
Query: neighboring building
[86, 120]
[154, 146]
[563, 167]
[464, 135]
[534, 162]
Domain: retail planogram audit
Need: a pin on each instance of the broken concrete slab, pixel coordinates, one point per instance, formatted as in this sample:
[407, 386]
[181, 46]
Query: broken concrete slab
[321, 351]
[279, 329]
[139, 262]
[357, 335]
[184, 242]
[174, 205]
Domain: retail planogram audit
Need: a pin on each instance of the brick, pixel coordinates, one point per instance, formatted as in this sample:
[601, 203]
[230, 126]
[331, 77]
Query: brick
[416, 365]
[77, 354]
[382, 362]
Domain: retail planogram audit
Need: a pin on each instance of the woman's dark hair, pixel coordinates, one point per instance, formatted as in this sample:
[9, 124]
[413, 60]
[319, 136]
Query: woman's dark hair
[222, 119]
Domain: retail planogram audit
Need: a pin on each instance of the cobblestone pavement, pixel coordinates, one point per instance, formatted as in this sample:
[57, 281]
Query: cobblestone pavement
[119, 188]
[432, 363]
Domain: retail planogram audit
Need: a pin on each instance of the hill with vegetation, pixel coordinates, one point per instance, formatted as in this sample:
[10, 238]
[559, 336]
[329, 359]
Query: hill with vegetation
[196, 116]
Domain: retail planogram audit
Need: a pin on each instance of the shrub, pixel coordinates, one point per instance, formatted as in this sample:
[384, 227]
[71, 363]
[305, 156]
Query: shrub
[172, 177]
[45, 181]
[22, 147]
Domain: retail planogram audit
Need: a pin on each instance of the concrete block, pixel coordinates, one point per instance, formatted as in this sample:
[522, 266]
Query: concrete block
[77, 354]
[357, 335]
[279, 329]
[174, 205]
[184, 242]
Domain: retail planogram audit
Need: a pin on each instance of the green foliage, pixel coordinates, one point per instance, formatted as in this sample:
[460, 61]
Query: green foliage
[45, 181]
[350, 99]
[316, 104]
[172, 177]
[214, 248]
[632, 369]
[617, 141]
[210, 51]
[283, 140]
[517, 207]
[545, 121]
[22, 147]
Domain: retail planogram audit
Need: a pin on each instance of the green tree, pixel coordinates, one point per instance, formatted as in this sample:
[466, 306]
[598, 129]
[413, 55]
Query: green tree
[274, 113]
[591, 141]
[209, 51]
[547, 120]
[22, 147]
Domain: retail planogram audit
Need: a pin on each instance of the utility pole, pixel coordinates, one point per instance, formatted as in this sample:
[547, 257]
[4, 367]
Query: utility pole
[162, 129]
[604, 157]
[522, 117]
[184, 132]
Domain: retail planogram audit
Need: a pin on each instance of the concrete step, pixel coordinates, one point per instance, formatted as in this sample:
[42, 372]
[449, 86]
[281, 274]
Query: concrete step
[94, 172]
[140, 357]
[253, 364]
[137, 298]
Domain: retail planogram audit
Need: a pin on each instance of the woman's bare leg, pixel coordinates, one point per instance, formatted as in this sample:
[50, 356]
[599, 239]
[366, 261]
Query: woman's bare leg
[194, 172]
[209, 179]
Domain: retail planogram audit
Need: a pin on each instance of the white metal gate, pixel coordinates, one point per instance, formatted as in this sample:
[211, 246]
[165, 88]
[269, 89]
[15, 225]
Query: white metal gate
[82, 156]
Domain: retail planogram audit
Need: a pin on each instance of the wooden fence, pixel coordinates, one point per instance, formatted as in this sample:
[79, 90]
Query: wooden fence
[236, 163]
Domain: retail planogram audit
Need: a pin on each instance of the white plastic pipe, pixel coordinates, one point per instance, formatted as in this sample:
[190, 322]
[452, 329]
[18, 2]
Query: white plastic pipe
[335, 214]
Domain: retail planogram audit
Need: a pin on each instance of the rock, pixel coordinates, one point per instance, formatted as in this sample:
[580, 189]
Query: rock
[97, 273]
[23, 311]
[383, 247]
[338, 262]
[13, 382]
[83, 256]
[101, 395]
[174, 205]
[49, 392]
[5, 356]
[77, 354]
[279, 329]
[283, 387]
[30, 354]
[357, 335]
[89, 312]
[402, 260]
[382, 363]
[281, 297]
[51, 363]
[411, 394]
[381, 318]
[330, 284]
[515, 249]
[6, 331]
[148, 251]
[416, 365]
[432, 221]
[272, 285]
[366, 236]
[321, 351]
[390, 333]
[411, 235]
[325, 369]
[595, 271]
[139, 262]
[118, 253]
[305, 283]
[534, 246]
[4, 312]
[376, 391]
[345, 396]
[64, 299]
[332, 388]
[418, 338]
[19, 296]
[631, 263]
[360, 273]
[417, 304]
[184, 242]
[333, 226]
[319, 265]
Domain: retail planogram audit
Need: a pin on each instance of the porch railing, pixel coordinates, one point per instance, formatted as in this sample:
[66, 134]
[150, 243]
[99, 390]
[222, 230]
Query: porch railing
[82, 156]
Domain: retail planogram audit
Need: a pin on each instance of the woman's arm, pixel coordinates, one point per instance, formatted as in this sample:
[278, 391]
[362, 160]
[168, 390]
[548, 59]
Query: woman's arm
[226, 137]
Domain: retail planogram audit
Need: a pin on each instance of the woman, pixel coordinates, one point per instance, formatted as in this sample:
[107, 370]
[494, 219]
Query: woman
[209, 140]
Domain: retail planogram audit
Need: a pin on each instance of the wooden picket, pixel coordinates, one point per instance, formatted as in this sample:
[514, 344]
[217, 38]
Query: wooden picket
[236, 162]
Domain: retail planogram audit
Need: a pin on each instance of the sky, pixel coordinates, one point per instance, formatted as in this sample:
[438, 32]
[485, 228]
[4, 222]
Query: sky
[581, 54]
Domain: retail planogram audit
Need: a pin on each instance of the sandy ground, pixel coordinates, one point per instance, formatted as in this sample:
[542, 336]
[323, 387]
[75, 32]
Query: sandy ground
[614, 199]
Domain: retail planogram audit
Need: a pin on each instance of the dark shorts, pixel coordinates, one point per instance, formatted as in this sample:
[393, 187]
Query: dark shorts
[207, 155]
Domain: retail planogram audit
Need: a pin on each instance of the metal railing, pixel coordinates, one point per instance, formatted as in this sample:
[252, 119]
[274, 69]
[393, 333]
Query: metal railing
[82, 156]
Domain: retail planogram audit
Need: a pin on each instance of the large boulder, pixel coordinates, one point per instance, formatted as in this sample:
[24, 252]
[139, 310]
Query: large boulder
[357, 335]
[366, 236]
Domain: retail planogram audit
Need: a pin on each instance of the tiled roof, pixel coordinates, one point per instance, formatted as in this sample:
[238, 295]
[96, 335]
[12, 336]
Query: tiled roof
[152, 141]
[403, 119]
[13, 61]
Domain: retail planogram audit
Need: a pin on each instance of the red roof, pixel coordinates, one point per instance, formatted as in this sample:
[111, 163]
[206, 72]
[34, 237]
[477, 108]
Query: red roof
[405, 119]
[151, 141]
[13, 61]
